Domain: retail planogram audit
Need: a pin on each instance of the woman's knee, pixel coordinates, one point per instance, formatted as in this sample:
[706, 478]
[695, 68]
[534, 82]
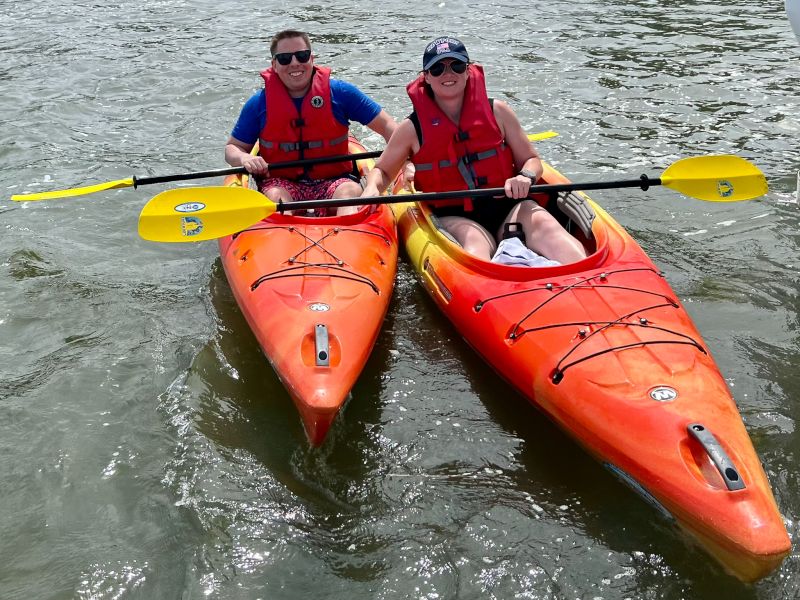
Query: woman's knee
[528, 209]
[471, 235]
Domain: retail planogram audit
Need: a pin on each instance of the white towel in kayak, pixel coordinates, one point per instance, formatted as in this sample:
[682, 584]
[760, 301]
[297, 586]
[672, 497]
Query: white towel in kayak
[511, 251]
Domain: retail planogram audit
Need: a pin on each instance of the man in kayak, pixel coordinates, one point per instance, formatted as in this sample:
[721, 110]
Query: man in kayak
[302, 113]
[458, 139]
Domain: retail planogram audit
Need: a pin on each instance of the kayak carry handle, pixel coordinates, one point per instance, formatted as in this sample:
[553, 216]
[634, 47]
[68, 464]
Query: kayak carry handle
[322, 346]
[727, 470]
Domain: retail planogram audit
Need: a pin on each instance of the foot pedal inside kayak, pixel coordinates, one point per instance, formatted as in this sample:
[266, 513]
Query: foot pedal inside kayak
[727, 470]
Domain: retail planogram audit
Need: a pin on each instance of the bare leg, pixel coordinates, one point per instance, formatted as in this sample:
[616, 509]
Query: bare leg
[279, 194]
[348, 189]
[544, 235]
[472, 236]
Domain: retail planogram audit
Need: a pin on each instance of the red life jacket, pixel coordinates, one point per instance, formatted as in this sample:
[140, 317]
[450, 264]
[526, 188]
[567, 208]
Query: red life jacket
[470, 155]
[313, 131]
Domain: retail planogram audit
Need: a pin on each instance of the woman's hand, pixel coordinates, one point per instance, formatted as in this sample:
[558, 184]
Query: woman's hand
[518, 186]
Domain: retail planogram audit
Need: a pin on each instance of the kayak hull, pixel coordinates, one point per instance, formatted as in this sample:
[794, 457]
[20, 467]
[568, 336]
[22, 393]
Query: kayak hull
[315, 292]
[605, 348]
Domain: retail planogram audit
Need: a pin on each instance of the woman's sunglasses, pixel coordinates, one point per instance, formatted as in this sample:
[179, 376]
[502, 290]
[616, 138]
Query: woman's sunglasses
[284, 58]
[457, 67]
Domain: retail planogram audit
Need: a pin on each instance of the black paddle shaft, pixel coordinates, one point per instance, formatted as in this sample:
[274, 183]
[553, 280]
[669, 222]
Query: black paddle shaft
[289, 164]
[644, 182]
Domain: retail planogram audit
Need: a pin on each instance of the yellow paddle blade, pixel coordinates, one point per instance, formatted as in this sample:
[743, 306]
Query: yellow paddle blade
[89, 189]
[202, 213]
[544, 135]
[720, 178]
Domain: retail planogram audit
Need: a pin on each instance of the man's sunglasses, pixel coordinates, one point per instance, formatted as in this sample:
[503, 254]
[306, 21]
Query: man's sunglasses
[457, 67]
[284, 58]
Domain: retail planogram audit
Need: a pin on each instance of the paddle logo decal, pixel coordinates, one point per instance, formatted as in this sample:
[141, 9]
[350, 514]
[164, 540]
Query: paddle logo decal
[663, 393]
[190, 207]
[317, 101]
[191, 226]
[724, 188]
[319, 307]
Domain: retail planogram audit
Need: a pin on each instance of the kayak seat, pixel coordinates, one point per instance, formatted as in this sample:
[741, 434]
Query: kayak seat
[570, 210]
[577, 210]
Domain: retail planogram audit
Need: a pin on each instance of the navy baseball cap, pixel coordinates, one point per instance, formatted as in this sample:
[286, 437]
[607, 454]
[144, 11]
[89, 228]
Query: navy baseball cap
[441, 48]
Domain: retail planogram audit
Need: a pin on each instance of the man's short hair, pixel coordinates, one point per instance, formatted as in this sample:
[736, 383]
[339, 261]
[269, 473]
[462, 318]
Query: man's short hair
[288, 33]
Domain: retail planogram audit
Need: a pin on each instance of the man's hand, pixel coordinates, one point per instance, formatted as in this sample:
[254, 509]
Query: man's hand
[409, 170]
[255, 165]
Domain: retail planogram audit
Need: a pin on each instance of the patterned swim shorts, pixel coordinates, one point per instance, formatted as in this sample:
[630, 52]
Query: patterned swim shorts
[306, 190]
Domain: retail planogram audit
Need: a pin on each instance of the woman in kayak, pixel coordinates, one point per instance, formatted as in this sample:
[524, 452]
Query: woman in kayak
[458, 138]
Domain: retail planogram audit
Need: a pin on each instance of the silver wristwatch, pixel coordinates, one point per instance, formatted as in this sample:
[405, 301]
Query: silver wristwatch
[529, 174]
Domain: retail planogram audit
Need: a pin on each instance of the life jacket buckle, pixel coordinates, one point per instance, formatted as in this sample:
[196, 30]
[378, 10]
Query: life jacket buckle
[471, 158]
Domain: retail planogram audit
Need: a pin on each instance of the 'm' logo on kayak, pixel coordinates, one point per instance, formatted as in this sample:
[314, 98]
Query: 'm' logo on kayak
[724, 188]
[191, 226]
[663, 393]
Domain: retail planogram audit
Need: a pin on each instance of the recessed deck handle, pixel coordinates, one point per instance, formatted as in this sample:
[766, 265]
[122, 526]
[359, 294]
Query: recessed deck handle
[720, 458]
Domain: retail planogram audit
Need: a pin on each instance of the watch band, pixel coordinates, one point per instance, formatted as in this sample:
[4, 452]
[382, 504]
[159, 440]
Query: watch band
[529, 174]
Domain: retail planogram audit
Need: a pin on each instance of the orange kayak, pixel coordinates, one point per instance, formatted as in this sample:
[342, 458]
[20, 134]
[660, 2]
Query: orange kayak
[315, 291]
[605, 348]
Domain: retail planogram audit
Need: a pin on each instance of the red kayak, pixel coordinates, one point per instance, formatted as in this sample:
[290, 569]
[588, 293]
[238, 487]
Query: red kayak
[605, 348]
[315, 291]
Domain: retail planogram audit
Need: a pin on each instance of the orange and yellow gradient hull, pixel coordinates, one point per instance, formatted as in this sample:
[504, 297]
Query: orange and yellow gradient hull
[315, 291]
[605, 348]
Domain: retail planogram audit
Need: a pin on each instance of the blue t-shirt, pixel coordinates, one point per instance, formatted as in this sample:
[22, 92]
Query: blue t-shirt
[347, 102]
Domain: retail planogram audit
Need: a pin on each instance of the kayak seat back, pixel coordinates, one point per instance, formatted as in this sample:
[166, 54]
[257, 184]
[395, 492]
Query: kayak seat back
[577, 211]
[568, 208]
